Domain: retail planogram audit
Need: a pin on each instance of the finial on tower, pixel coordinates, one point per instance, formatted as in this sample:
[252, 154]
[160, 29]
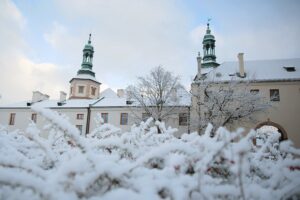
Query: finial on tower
[208, 20]
[208, 30]
[90, 38]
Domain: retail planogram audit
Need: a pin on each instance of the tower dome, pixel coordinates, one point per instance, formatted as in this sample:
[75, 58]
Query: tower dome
[209, 58]
[87, 61]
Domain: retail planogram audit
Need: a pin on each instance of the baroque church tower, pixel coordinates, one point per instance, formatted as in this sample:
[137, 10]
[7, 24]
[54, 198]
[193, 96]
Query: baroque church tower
[209, 58]
[85, 85]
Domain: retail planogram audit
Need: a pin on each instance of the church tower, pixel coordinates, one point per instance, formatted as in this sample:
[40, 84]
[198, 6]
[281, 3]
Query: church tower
[85, 85]
[209, 57]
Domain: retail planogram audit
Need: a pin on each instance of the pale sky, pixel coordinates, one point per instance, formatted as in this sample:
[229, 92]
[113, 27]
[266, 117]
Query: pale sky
[41, 42]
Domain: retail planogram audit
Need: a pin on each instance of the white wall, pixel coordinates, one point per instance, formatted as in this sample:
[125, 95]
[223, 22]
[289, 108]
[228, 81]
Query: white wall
[23, 117]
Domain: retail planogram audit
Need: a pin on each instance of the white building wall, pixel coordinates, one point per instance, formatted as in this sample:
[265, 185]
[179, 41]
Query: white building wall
[23, 117]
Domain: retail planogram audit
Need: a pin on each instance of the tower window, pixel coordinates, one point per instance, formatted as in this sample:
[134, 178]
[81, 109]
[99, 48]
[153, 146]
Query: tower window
[274, 95]
[93, 92]
[80, 89]
[12, 118]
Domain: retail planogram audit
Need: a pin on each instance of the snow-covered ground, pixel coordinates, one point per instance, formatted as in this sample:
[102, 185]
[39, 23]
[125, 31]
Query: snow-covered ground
[141, 164]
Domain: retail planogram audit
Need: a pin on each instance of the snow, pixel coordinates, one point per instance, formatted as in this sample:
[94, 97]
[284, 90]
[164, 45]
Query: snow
[108, 93]
[108, 98]
[86, 76]
[258, 70]
[142, 164]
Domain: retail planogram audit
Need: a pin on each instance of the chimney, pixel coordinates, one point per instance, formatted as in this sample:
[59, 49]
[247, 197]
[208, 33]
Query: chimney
[121, 93]
[199, 65]
[38, 96]
[62, 96]
[241, 65]
[173, 94]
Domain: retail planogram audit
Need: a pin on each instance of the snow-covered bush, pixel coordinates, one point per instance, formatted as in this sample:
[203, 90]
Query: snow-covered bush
[142, 164]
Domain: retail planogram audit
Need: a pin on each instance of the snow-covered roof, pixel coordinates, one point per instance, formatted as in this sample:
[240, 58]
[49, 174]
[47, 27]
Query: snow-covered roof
[108, 93]
[258, 70]
[108, 98]
[184, 97]
[71, 103]
[86, 76]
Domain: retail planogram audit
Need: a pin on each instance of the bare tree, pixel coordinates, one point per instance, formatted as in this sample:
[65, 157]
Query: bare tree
[155, 94]
[224, 103]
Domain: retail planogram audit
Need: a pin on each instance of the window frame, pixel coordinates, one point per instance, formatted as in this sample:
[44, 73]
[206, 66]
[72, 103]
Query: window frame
[105, 119]
[121, 119]
[79, 87]
[93, 89]
[80, 116]
[274, 97]
[34, 117]
[12, 119]
[183, 119]
[254, 91]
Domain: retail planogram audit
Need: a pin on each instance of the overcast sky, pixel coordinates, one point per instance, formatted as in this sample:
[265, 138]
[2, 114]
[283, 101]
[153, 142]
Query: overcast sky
[41, 42]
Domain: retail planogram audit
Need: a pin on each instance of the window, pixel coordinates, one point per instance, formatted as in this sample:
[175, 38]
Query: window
[207, 115]
[104, 116]
[145, 116]
[93, 91]
[183, 119]
[290, 69]
[254, 91]
[79, 116]
[124, 119]
[80, 89]
[12, 118]
[274, 95]
[34, 117]
[79, 127]
[71, 90]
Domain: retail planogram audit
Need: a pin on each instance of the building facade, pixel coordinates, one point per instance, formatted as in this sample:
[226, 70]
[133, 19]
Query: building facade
[87, 102]
[276, 81]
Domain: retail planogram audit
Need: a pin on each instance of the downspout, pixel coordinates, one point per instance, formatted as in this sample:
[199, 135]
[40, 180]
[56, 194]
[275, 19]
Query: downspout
[88, 120]
[87, 130]
[189, 119]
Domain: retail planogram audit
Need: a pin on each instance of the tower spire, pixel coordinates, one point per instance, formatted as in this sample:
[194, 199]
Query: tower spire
[90, 36]
[209, 57]
[87, 60]
[208, 30]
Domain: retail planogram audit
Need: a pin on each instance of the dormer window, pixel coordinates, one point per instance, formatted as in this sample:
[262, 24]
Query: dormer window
[290, 69]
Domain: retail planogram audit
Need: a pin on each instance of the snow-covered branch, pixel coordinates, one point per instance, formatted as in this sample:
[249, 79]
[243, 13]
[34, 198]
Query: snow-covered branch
[141, 164]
